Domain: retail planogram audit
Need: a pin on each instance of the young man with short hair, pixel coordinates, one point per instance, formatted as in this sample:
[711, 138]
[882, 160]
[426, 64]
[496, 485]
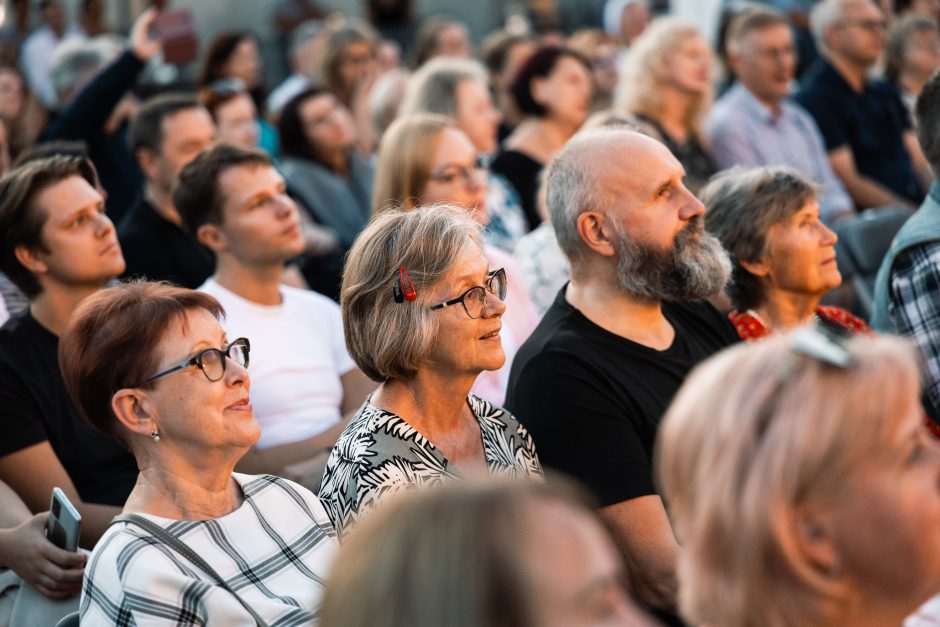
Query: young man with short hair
[303, 381]
[58, 247]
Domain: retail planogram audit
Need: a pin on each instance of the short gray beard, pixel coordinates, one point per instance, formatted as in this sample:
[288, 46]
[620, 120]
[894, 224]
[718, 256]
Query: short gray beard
[690, 270]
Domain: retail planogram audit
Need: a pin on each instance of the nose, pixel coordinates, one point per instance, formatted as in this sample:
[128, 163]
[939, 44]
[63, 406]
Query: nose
[493, 306]
[236, 374]
[105, 226]
[285, 206]
[829, 236]
[692, 207]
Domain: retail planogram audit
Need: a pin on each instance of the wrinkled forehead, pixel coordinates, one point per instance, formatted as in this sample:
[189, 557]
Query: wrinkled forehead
[636, 167]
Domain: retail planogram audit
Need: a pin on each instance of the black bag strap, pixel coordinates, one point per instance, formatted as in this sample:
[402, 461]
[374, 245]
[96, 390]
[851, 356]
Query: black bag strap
[183, 549]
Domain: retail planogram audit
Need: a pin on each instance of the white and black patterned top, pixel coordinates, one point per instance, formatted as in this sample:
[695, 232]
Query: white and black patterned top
[379, 453]
[274, 551]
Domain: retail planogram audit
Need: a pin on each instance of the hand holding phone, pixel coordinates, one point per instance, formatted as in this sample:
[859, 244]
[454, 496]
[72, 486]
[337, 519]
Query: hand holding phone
[65, 523]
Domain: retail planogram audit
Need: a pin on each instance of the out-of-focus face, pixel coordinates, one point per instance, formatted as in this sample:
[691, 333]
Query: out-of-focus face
[191, 412]
[328, 124]
[260, 222]
[476, 115]
[929, 8]
[633, 21]
[452, 41]
[566, 92]
[878, 519]
[922, 53]
[859, 36]
[464, 345]
[355, 63]
[186, 133]
[800, 254]
[454, 176]
[236, 122]
[604, 69]
[581, 582]
[53, 16]
[689, 67]
[766, 63]
[11, 94]
[245, 63]
[516, 57]
[80, 245]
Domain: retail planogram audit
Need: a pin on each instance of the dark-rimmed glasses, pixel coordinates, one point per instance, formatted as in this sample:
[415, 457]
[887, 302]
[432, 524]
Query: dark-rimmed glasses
[474, 299]
[212, 360]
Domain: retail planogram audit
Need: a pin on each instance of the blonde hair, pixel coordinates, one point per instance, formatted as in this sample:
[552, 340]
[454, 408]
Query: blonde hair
[755, 433]
[389, 339]
[404, 162]
[638, 90]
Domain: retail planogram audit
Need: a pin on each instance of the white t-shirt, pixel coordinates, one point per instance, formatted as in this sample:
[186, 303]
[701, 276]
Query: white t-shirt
[298, 355]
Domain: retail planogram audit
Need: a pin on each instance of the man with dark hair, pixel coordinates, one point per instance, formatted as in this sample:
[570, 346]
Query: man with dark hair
[59, 247]
[593, 381]
[304, 384]
[907, 289]
[168, 132]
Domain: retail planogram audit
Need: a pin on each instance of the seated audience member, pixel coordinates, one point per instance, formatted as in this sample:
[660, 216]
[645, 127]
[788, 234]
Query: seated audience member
[385, 99]
[542, 264]
[150, 364]
[926, 8]
[168, 132]
[305, 52]
[97, 116]
[666, 83]
[421, 312]
[626, 19]
[600, 49]
[235, 203]
[503, 54]
[425, 159]
[768, 219]
[518, 553]
[907, 289]
[756, 124]
[597, 374]
[457, 88]
[866, 127]
[912, 55]
[237, 56]
[59, 248]
[439, 37]
[30, 562]
[801, 481]
[38, 48]
[349, 60]
[324, 172]
[233, 111]
[552, 90]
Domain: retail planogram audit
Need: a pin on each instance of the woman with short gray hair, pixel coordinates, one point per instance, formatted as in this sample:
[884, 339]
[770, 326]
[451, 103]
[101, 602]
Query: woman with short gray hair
[784, 256]
[422, 313]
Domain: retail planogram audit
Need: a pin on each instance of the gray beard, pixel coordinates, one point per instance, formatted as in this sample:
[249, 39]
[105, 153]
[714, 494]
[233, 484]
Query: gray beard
[690, 270]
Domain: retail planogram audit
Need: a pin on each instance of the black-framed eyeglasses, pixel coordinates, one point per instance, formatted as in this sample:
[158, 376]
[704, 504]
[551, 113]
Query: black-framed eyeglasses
[212, 360]
[474, 299]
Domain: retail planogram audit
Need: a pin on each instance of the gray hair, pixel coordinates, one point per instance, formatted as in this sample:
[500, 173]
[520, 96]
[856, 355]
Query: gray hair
[433, 88]
[740, 207]
[388, 339]
[303, 33]
[825, 15]
[75, 60]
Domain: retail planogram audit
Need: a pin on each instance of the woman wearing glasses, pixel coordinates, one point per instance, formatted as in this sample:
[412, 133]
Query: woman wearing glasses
[803, 485]
[426, 159]
[150, 365]
[422, 309]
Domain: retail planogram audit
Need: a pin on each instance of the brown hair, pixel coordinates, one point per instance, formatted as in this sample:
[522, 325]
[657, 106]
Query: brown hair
[112, 341]
[21, 221]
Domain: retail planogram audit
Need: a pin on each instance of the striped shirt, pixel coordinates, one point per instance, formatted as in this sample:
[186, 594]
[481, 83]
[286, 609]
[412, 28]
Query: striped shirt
[274, 550]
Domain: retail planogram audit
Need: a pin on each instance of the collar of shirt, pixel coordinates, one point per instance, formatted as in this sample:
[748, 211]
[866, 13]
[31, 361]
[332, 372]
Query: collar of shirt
[758, 109]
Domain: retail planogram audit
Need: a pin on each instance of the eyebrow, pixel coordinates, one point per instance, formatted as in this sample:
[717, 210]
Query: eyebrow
[97, 204]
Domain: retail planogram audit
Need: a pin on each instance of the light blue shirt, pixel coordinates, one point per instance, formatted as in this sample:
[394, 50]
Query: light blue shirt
[743, 131]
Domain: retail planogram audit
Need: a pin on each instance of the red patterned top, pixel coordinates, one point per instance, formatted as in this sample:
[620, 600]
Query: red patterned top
[750, 327]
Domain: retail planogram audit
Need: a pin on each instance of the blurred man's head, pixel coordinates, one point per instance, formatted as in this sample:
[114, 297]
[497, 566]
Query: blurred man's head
[762, 54]
[850, 31]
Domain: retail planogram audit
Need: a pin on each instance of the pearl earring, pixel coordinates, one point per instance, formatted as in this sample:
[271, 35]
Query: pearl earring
[155, 436]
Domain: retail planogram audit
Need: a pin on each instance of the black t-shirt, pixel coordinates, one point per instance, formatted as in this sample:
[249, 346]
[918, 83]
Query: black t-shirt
[36, 408]
[593, 400]
[156, 249]
[872, 124]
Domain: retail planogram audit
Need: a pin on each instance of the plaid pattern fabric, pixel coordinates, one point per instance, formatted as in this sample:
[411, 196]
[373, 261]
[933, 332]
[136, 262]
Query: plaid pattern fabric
[274, 551]
[914, 307]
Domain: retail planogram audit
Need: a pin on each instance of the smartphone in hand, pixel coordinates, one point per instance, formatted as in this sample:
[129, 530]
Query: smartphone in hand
[65, 523]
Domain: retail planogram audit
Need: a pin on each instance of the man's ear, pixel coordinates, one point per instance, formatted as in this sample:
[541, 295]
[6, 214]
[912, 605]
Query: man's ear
[596, 232]
[212, 237]
[134, 411]
[31, 258]
[148, 163]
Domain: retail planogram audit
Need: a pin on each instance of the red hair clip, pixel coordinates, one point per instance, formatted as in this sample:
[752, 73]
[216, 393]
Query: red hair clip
[404, 289]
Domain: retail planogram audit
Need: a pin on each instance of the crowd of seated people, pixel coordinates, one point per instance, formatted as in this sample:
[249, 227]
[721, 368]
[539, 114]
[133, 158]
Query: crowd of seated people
[538, 332]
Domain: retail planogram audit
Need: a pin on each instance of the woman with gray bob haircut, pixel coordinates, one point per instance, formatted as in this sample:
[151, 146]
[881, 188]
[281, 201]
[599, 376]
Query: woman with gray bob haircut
[784, 256]
[421, 314]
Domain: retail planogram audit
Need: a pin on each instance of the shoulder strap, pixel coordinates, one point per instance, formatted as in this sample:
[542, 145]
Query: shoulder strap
[183, 549]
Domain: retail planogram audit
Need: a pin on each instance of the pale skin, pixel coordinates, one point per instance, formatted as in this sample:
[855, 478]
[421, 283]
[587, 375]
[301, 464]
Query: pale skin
[250, 257]
[83, 254]
[654, 208]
